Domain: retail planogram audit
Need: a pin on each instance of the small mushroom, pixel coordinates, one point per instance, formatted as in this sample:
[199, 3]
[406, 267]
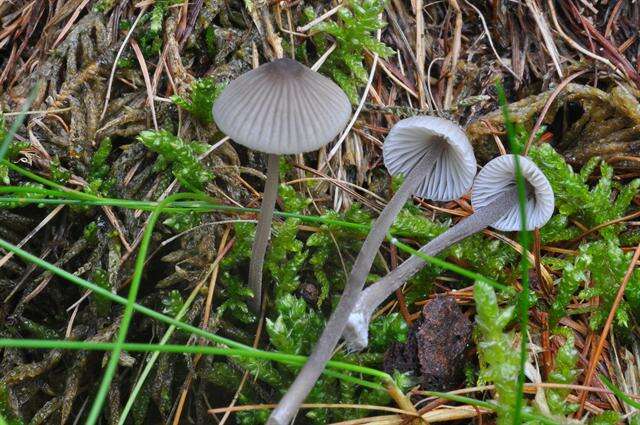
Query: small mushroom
[437, 160]
[434, 155]
[279, 108]
[495, 201]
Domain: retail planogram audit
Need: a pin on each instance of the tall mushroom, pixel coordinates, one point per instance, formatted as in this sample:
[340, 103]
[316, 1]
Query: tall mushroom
[495, 202]
[437, 161]
[279, 108]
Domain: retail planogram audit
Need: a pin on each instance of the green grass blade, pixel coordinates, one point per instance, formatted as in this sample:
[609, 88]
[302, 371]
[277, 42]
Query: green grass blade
[446, 265]
[206, 207]
[122, 203]
[175, 349]
[152, 360]
[33, 176]
[112, 365]
[185, 327]
[524, 239]
[18, 122]
[622, 396]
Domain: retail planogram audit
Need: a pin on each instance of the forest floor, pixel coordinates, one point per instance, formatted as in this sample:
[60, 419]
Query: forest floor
[105, 110]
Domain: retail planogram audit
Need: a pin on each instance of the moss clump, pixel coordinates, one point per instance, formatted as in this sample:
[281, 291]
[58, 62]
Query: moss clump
[499, 361]
[565, 371]
[353, 35]
[202, 95]
[601, 261]
[180, 155]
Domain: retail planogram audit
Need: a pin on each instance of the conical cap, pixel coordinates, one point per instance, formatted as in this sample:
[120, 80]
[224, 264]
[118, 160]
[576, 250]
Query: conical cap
[500, 174]
[413, 138]
[282, 107]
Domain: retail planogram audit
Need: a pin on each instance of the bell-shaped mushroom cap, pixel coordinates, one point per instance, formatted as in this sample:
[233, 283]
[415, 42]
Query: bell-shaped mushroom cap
[411, 139]
[282, 107]
[500, 174]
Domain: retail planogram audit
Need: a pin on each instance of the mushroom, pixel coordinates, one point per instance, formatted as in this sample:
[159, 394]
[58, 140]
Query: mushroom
[279, 108]
[495, 202]
[437, 160]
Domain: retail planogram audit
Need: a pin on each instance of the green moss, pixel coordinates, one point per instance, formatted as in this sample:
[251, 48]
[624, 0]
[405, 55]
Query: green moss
[412, 222]
[286, 257]
[101, 278]
[180, 155]
[235, 293]
[604, 264]
[565, 371]
[181, 222]
[5, 409]
[606, 418]
[104, 6]
[99, 167]
[126, 63]
[241, 251]
[172, 303]
[295, 330]
[160, 7]
[607, 200]
[296, 327]
[385, 330]
[202, 95]
[27, 195]
[292, 201]
[353, 33]
[573, 275]
[321, 243]
[37, 330]
[59, 174]
[254, 417]
[609, 264]
[489, 257]
[499, 360]
[13, 150]
[602, 260]
[90, 232]
[150, 27]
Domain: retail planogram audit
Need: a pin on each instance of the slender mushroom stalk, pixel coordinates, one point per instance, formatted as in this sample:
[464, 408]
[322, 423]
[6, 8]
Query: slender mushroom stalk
[495, 201]
[279, 108]
[438, 162]
[263, 229]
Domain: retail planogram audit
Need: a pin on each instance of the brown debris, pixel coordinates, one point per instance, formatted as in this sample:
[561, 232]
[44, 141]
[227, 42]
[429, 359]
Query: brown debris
[436, 347]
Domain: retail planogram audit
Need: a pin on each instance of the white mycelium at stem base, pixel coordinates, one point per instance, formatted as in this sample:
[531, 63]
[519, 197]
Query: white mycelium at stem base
[279, 108]
[437, 160]
[495, 202]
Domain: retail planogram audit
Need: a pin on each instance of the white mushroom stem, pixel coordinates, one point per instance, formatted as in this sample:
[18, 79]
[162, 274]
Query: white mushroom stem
[306, 379]
[357, 326]
[263, 229]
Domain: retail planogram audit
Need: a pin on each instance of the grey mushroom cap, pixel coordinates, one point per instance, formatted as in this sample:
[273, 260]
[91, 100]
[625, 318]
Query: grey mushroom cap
[413, 138]
[282, 107]
[500, 174]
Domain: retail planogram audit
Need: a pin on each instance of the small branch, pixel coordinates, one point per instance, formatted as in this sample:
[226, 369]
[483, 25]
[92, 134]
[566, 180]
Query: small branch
[455, 54]
[319, 19]
[420, 59]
